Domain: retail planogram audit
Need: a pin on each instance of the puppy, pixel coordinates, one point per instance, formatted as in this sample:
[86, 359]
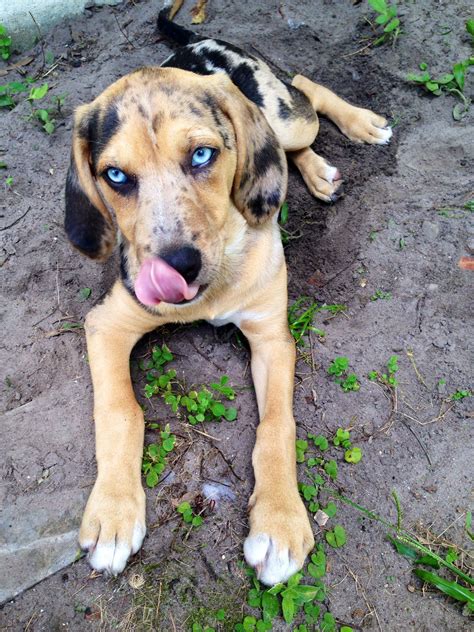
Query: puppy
[188, 161]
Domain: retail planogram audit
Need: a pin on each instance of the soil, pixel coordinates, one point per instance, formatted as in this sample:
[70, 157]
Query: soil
[388, 233]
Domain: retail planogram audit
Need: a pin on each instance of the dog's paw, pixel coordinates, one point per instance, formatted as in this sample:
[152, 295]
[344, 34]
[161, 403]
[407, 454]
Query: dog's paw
[280, 538]
[113, 526]
[322, 179]
[364, 126]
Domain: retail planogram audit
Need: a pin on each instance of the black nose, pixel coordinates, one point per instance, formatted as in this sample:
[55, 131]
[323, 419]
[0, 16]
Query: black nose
[186, 260]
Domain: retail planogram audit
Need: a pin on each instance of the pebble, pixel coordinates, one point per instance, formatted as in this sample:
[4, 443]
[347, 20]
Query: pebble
[432, 287]
[470, 246]
[430, 230]
[441, 341]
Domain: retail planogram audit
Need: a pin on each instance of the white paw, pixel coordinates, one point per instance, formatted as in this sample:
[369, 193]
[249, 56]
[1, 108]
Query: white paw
[332, 174]
[113, 526]
[382, 135]
[364, 126]
[272, 565]
[280, 535]
[111, 557]
[322, 179]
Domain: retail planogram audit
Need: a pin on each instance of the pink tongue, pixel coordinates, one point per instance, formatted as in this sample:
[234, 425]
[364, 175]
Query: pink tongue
[157, 281]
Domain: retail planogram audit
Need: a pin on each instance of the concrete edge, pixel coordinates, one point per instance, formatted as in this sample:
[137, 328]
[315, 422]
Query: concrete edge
[23, 29]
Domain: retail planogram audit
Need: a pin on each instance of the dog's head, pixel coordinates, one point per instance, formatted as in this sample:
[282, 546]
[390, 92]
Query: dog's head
[168, 156]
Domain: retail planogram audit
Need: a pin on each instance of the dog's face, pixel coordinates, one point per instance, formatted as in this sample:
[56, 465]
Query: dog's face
[171, 155]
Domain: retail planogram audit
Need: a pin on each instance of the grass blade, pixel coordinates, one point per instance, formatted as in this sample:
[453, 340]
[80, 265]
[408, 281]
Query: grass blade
[449, 588]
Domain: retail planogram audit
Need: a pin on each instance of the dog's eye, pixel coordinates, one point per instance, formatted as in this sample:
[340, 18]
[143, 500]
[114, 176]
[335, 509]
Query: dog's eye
[202, 156]
[116, 176]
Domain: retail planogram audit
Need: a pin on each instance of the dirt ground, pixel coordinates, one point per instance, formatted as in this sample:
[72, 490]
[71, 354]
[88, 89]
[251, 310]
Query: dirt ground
[387, 234]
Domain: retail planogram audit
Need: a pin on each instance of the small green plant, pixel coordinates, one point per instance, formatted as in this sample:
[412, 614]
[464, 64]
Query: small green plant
[459, 395]
[338, 366]
[288, 600]
[342, 439]
[9, 181]
[199, 405]
[46, 116]
[11, 90]
[388, 378]
[380, 294]
[85, 293]
[420, 555]
[388, 20]
[189, 517]
[300, 319]
[337, 537]
[301, 447]
[448, 83]
[285, 236]
[301, 315]
[155, 457]
[470, 29]
[5, 43]
[339, 369]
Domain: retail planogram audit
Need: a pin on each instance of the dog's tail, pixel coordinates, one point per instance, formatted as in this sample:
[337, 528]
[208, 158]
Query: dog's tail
[172, 31]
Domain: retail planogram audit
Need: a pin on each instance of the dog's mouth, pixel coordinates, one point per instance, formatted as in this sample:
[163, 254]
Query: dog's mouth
[157, 282]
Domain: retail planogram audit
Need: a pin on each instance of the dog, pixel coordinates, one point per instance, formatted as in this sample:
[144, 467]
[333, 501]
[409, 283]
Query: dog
[188, 161]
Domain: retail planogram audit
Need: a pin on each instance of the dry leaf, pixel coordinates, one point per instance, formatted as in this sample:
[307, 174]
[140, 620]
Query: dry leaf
[199, 12]
[466, 263]
[23, 62]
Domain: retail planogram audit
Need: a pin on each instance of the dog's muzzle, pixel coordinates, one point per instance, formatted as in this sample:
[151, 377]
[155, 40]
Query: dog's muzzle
[169, 278]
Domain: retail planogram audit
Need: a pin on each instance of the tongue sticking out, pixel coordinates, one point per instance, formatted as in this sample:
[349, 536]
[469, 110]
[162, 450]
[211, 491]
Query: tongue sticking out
[157, 281]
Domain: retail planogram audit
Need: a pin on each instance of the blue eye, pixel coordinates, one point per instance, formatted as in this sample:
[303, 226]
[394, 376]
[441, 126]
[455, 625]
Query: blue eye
[202, 156]
[116, 176]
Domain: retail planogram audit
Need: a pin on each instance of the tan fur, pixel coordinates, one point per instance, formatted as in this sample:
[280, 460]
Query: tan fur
[243, 267]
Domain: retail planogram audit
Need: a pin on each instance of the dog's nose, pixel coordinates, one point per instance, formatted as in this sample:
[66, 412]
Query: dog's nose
[186, 260]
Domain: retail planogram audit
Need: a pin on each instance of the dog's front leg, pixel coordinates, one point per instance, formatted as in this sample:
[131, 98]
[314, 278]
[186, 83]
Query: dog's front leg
[280, 533]
[113, 526]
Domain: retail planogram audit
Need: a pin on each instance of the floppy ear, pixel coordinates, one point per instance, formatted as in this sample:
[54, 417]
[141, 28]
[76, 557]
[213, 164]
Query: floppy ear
[261, 176]
[88, 223]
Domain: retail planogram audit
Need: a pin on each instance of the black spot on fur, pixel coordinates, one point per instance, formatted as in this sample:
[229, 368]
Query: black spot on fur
[187, 59]
[87, 127]
[284, 112]
[84, 224]
[211, 104]
[274, 199]
[236, 49]
[124, 275]
[257, 206]
[266, 157]
[141, 109]
[302, 107]
[244, 78]
[207, 61]
[262, 205]
[217, 59]
[100, 131]
[196, 111]
[174, 31]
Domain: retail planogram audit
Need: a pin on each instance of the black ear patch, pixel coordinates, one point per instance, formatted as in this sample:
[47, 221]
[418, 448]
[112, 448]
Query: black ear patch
[85, 225]
[263, 181]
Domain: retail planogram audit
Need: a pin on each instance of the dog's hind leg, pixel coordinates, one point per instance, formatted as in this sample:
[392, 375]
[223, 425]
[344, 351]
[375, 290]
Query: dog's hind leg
[358, 124]
[296, 133]
[323, 180]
